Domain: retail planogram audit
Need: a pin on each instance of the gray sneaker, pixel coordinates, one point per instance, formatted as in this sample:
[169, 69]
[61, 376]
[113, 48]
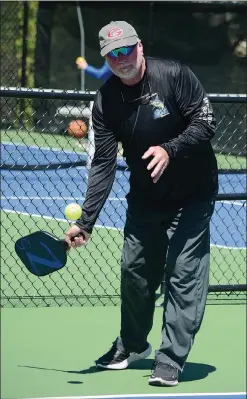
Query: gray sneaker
[117, 358]
[165, 375]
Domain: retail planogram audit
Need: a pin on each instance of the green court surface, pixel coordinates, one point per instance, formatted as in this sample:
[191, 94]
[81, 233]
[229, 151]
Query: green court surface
[65, 142]
[50, 352]
[49, 341]
[92, 273]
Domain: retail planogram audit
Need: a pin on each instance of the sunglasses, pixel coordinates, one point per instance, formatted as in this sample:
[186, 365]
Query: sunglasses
[127, 50]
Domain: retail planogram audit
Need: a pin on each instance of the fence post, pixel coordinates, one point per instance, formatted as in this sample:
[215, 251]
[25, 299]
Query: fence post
[91, 146]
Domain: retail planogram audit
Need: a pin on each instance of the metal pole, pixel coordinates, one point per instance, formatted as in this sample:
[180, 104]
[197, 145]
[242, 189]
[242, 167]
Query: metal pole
[91, 145]
[150, 28]
[82, 40]
[24, 57]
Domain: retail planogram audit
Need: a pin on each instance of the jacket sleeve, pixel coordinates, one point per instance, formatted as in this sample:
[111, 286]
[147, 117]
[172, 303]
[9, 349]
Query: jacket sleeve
[103, 169]
[196, 109]
[98, 73]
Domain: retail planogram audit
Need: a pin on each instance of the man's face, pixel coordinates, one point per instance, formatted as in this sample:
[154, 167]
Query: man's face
[126, 66]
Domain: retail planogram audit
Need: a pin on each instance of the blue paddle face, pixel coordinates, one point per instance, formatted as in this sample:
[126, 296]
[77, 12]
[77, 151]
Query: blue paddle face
[41, 253]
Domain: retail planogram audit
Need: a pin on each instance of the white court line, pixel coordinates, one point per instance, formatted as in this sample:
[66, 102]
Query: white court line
[226, 247]
[59, 219]
[154, 395]
[233, 202]
[13, 197]
[98, 226]
[26, 198]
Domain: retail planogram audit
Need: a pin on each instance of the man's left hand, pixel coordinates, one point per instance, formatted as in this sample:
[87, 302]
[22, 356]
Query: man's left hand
[159, 162]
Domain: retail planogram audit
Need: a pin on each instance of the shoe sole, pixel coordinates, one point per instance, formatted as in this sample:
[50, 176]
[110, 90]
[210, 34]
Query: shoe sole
[132, 358]
[159, 382]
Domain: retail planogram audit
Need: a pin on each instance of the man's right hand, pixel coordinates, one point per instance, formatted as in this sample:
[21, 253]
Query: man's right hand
[77, 241]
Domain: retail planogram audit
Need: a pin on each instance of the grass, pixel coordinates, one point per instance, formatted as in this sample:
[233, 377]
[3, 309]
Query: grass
[65, 142]
[91, 273]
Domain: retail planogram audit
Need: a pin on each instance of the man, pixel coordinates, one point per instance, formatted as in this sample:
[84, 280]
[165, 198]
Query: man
[161, 114]
[103, 72]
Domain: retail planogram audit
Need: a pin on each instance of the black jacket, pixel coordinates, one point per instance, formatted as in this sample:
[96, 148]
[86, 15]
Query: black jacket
[168, 108]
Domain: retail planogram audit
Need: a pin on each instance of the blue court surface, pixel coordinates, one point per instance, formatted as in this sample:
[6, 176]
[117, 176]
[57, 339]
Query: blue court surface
[46, 193]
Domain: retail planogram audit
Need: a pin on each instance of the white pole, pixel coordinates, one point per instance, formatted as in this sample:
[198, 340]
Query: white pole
[82, 40]
[91, 146]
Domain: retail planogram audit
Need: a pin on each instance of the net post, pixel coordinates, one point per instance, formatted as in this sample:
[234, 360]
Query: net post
[91, 146]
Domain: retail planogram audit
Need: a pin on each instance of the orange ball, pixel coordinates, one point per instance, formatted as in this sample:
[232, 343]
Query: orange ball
[77, 128]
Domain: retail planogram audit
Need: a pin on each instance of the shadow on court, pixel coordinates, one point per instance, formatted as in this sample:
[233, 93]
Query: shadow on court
[196, 371]
[192, 371]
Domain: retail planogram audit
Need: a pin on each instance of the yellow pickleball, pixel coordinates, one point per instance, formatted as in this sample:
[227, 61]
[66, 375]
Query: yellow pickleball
[73, 211]
[79, 59]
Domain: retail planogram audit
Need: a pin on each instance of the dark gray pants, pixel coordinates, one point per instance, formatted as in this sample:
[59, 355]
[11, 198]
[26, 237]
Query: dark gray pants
[177, 244]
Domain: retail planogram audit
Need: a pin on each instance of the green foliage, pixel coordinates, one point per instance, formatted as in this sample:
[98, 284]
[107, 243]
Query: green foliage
[30, 58]
[31, 40]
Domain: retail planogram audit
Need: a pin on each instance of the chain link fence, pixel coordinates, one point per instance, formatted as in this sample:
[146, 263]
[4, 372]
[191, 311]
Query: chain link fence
[10, 62]
[43, 169]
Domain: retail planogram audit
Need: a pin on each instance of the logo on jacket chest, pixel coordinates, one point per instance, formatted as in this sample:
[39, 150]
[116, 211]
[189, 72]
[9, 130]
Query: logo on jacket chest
[159, 110]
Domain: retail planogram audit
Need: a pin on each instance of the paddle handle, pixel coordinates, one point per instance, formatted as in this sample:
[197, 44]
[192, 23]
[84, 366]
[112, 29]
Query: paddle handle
[72, 239]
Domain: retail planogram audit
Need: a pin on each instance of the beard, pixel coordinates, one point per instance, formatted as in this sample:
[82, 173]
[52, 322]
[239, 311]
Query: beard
[128, 71]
